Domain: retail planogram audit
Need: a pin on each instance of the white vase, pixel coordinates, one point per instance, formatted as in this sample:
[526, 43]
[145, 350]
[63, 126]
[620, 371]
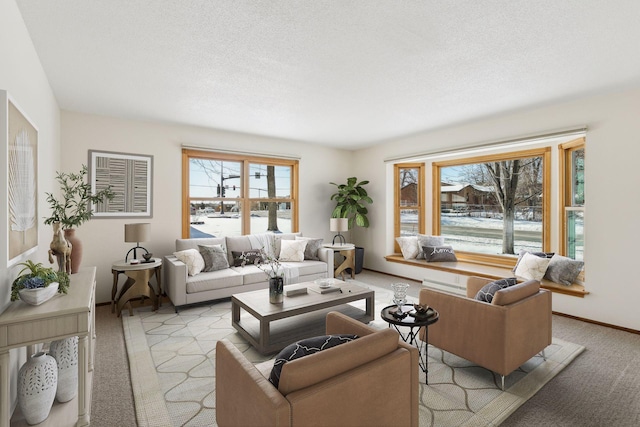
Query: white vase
[38, 295]
[66, 354]
[37, 382]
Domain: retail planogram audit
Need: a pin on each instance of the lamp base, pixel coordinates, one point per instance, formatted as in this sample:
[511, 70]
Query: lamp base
[340, 238]
[135, 254]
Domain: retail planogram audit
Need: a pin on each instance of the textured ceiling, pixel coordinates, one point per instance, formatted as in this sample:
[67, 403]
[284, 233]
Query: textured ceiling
[343, 73]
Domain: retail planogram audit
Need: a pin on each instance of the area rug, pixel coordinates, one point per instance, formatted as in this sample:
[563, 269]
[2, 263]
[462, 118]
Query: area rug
[172, 363]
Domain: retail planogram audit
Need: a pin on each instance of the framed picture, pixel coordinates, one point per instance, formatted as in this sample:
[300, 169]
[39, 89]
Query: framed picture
[20, 181]
[131, 179]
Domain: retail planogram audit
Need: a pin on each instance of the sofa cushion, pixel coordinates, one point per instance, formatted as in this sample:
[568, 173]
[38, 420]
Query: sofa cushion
[487, 292]
[182, 244]
[563, 270]
[214, 256]
[226, 278]
[242, 258]
[251, 274]
[425, 240]
[303, 348]
[237, 244]
[408, 246]
[312, 248]
[305, 268]
[192, 259]
[278, 238]
[292, 250]
[515, 293]
[439, 254]
[532, 267]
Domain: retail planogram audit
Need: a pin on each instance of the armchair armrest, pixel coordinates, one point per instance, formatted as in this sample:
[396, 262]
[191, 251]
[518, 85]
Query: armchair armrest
[175, 276]
[474, 284]
[243, 396]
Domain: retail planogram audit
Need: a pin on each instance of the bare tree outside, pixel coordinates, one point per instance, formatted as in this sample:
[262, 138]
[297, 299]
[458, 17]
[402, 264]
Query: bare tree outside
[271, 193]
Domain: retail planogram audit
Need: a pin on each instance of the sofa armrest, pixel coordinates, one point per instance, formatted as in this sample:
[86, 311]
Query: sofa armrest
[175, 277]
[326, 255]
[243, 396]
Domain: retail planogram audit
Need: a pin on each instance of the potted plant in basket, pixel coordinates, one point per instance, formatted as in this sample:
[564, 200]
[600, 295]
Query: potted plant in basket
[71, 210]
[36, 284]
[351, 202]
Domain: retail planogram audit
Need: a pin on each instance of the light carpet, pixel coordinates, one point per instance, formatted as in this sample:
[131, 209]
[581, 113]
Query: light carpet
[172, 362]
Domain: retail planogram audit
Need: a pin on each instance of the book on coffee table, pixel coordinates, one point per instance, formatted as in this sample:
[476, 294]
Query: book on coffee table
[318, 289]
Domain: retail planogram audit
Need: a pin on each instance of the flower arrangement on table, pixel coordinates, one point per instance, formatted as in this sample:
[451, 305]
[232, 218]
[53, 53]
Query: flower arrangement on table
[36, 276]
[267, 262]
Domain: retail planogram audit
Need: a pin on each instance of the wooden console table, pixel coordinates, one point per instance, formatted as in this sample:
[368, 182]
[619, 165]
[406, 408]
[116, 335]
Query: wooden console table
[61, 317]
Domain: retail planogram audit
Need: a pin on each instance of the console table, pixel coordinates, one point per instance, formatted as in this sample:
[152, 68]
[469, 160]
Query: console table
[61, 317]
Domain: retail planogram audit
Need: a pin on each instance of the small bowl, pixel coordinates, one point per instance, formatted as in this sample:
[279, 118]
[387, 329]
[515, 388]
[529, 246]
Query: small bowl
[147, 257]
[324, 283]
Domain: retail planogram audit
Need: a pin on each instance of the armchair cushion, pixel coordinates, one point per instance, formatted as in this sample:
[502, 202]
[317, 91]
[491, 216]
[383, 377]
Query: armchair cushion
[488, 291]
[303, 348]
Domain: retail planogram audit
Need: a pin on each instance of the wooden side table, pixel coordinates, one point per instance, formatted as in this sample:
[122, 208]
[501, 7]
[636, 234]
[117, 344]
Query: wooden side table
[348, 251]
[137, 284]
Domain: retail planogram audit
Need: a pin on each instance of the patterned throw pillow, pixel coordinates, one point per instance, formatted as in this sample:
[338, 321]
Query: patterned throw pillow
[292, 250]
[408, 246]
[242, 258]
[425, 240]
[312, 248]
[532, 267]
[563, 270]
[303, 348]
[539, 254]
[488, 291]
[214, 256]
[439, 253]
[193, 260]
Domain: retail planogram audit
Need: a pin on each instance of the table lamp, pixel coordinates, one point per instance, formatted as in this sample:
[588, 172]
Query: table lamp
[136, 233]
[339, 224]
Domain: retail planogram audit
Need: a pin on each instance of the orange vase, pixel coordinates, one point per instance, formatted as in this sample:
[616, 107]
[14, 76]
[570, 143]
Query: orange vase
[76, 249]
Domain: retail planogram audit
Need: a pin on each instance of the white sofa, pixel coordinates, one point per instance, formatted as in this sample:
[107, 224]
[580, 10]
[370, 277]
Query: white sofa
[183, 289]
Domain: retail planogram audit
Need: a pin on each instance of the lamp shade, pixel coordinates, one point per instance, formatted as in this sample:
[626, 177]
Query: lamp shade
[339, 224]
[137, 232]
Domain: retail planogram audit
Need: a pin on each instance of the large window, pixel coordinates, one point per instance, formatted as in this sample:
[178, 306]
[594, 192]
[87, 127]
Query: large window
[226, 195]
[409, 199]
[491, 207]
[572, 198]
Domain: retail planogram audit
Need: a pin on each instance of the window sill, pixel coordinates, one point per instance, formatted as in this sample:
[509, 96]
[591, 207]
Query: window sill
[485, 270]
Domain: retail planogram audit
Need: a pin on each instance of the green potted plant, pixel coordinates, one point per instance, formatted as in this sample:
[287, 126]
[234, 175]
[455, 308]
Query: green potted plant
[351, 203]
[72, 209]
[36, 284]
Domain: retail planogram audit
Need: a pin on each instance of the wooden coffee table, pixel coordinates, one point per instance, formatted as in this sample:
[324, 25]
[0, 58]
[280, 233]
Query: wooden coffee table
[271, 327]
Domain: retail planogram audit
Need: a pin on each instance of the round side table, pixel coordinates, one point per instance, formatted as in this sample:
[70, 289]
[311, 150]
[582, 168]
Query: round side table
[137, 284]
[414, 324]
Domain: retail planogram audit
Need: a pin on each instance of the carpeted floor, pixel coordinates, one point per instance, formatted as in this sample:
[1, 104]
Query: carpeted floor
[598, 388]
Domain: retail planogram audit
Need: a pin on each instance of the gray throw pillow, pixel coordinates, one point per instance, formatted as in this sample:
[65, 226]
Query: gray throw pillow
[425, 240]
[215, 257]
[303, 348]
[563, 270]
[312, 248]
[538, 254]
[253, 256]
[439, 253]
[488, 291]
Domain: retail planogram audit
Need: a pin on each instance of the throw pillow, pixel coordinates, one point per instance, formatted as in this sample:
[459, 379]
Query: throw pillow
[253, 256]
[540, 254]
[439, 253]
[214, 256]
[312, 248]
[424, 240]
[563, 270]
[532, 267]
[193, 260]
[488, 291]
[292, 250]
[408, 246]
[302, 348]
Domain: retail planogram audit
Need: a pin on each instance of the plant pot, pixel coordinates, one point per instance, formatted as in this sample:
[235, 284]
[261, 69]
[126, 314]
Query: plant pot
[65, 352]
[37, 382]
[76, 249]
[38, 295]
[276, 289]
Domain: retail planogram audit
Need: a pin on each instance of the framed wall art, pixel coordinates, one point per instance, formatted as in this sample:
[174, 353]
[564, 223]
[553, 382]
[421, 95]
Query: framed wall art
[131, 179]
[21, 180]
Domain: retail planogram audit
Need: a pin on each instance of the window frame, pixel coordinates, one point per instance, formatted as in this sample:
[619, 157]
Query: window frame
[420, 207]
[246, 201]
[501, 260]
[565, 177]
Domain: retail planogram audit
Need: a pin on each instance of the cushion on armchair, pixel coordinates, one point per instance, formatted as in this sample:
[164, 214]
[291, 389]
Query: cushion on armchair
[488, 291]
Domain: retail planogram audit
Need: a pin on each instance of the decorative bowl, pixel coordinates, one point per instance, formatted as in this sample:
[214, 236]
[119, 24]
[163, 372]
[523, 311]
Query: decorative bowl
[147, 257]
[38, 295]
[324, 283]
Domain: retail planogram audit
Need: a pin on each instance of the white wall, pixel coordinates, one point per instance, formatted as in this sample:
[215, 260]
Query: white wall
[612, 206]
[103, 238]
[22, 76]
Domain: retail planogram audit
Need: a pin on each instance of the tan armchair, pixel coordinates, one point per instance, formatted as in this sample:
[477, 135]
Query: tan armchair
[500, 336]
[372, 380]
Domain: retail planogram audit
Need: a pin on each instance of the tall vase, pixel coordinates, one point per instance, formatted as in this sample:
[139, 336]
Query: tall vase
[276, 289]
[76, 249]
[37, 382]
[65, 352]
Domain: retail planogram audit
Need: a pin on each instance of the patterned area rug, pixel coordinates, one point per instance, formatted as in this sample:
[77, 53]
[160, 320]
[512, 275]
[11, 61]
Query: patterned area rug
[172, 362]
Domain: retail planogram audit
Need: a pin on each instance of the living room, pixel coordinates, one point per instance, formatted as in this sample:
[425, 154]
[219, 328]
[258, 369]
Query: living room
[608, 111]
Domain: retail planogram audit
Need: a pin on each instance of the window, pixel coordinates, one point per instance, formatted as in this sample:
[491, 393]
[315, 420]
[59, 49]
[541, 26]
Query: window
[226, 194]
[409, 199]
[571, 159]
[491, 207]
